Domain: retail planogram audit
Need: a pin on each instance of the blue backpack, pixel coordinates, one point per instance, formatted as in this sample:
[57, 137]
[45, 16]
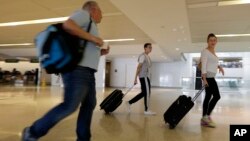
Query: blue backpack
[58, 50]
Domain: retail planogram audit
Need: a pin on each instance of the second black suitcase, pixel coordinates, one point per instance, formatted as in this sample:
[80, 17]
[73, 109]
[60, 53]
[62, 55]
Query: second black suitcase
[179, 109]
[113, 101]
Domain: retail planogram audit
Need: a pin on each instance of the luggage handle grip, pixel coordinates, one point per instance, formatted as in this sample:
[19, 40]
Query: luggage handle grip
[198, 93]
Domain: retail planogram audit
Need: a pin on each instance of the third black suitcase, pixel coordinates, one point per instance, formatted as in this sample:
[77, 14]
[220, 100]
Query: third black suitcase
[179, 109]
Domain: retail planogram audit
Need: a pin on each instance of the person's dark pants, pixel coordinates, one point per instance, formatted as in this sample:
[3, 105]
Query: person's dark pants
[79, 88]
[211, 98]
[145, 92]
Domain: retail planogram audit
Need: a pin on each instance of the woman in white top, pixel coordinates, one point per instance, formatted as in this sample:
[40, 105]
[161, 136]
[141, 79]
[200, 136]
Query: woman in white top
[209, 69]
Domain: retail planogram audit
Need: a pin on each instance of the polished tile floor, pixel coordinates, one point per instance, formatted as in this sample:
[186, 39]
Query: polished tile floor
[20, 106]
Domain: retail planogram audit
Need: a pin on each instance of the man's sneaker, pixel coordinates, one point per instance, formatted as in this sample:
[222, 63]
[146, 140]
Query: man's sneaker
[210, 119]
[211, 123]
[128, 106]
[205, 121]
[26, 136]
[150, 113]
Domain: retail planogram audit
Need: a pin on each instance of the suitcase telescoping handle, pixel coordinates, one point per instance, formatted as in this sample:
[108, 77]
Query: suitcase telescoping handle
[129, 89]
[198, 93]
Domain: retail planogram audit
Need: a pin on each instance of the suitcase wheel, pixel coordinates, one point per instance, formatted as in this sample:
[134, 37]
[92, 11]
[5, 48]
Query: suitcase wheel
[171, 126]
[106, 111]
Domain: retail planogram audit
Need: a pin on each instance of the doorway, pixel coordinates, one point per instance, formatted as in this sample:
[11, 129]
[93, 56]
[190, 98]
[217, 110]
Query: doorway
[107, 74]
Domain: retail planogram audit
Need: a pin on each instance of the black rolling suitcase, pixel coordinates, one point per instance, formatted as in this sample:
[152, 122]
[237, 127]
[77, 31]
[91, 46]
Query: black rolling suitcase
[114, 100]
[180, 108]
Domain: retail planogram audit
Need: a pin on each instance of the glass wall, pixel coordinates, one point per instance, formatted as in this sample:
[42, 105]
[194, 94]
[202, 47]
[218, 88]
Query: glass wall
[224, 83]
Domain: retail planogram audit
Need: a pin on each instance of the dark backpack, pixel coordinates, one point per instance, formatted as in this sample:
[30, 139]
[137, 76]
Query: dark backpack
[58, 50]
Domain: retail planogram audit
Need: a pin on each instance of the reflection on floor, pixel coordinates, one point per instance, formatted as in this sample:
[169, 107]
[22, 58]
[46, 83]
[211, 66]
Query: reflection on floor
[20, 106]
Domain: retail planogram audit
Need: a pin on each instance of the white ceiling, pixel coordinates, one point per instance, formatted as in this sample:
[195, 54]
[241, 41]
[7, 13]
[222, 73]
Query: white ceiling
[112, 26]
[170, 24]
[164, 21]
[219, 20]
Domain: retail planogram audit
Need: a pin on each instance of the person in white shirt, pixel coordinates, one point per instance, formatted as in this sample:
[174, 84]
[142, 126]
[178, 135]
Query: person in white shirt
[209, 61]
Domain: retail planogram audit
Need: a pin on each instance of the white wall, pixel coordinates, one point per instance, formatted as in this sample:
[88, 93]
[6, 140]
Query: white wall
[232, 72]
[162, 74]
[170, 74]
[246, 73]
[99, 75]
[123, 72]
[20, 66]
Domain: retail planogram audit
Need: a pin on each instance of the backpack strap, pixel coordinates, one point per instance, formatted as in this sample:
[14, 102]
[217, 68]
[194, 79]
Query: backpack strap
[88, 30]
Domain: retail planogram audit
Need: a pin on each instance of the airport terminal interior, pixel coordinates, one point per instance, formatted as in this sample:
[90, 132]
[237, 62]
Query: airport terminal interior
[177, 30]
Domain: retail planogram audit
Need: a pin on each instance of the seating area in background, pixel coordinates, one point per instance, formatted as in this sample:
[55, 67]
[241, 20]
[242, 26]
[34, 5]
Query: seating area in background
[17, 78]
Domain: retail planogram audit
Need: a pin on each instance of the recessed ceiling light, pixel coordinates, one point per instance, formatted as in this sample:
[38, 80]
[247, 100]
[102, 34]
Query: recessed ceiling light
[233, 35]
[233, 2]
[19, 44]
[50, 20]
[220, 3]
[177, 49]
[30, 44]
[119, 40]
[201, 5]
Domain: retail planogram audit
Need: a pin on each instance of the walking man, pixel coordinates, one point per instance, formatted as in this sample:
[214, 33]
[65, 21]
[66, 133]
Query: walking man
[79, 84]
[143, 73]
